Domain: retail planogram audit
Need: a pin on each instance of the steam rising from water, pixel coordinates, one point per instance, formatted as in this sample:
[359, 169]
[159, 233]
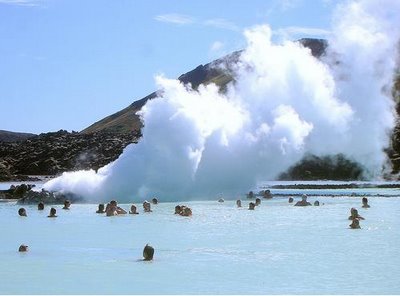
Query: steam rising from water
[285, 102]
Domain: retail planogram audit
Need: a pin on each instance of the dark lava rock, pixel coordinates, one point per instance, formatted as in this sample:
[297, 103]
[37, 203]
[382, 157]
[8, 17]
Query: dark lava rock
[57, 152]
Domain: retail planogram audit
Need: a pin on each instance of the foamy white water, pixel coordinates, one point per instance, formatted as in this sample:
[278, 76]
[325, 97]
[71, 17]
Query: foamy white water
[277, 248]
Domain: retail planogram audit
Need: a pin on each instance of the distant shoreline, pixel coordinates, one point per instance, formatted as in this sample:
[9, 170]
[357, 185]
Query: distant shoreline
[26, 178]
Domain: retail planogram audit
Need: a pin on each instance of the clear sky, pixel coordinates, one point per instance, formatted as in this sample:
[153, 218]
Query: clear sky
[65, 64]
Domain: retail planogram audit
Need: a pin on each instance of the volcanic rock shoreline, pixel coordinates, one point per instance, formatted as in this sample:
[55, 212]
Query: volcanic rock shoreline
[57, 152]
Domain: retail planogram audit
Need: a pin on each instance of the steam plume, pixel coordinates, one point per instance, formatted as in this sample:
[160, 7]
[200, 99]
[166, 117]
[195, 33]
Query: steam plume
[284, 102]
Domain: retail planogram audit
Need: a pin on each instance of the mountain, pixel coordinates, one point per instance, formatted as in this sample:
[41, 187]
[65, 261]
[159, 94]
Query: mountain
[7, 136]
[218, 72]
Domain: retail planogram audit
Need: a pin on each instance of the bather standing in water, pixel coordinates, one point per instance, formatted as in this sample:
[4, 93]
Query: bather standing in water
[239, 203]
[250, 194]
[147, 207]
[67, 204]
[148, 253]
[133, 210]
[53, 213]
[40, 206]
[365, 203]
[252, 206]
[258, 201]
[354, 214]
[303, 202]
[101, 209]
[118, 209]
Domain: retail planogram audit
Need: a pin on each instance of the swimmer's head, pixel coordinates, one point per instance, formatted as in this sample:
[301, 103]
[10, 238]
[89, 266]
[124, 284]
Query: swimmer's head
[148, 253]
[22, 212]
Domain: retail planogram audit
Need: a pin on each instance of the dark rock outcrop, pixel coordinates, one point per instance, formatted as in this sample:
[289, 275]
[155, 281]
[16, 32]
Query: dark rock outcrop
[57, 152]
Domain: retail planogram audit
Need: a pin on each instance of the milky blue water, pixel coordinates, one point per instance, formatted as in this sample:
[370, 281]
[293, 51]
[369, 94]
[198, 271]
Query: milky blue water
[222, 249]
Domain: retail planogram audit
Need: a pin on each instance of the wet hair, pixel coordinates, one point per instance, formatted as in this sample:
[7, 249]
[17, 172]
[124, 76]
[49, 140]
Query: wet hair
[178, 209]
[113, 203]
[154, 201]
[67, 203]
[316, 203]
[258, 201]
[252, 205]
[133, 208]
[53, 211]
[364, 200]
[40, 206]
[100, 209]
[239, 203]
[290, 199]
[23, 248]
[148, 253]
[22, 212]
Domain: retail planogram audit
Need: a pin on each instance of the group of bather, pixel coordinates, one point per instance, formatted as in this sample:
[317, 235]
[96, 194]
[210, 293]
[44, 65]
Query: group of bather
[40, 206]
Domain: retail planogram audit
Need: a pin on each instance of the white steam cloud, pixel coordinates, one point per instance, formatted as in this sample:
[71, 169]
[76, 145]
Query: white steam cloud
[284, 102]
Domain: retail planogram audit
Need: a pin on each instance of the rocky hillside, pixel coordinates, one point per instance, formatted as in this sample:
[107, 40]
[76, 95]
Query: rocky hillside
[54, 153]
[7, 136]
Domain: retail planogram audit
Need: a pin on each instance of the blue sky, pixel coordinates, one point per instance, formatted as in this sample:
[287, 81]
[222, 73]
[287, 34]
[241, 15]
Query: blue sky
[65, 64]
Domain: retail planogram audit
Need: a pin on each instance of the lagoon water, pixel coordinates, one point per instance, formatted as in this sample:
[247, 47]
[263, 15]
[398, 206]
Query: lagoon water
[276, 249]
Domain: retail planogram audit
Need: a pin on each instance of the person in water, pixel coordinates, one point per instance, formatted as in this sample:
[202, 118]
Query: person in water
[316, 203]
[40, 206]
[22, 212]
[250, 194]
[290, 199]
[258, 201]
[111, 210]
[101, 209]
[365, 203]
[221, 200]
[148, 253]
[53, 213]
[186, 211]
[23, 248]
[355, 224]
[154, 201]
[354, 214]
[252, 206]
[178, 209]
[267, 194]
[67, 204]
[133, 210]
[115, 207]
[147, 207]
[239, 203]
[303, 202]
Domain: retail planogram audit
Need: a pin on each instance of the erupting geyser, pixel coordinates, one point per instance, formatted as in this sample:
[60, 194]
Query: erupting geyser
[284, 102]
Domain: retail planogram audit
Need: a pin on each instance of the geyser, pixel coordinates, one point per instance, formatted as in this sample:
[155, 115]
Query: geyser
[284, 102]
